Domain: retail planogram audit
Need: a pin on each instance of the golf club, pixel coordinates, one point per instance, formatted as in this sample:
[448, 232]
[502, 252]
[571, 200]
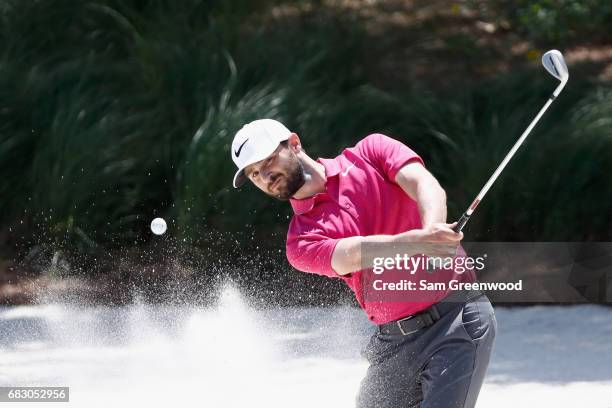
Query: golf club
[555, 64]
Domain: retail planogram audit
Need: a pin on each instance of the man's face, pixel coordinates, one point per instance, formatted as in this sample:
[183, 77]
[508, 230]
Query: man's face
[280, 175]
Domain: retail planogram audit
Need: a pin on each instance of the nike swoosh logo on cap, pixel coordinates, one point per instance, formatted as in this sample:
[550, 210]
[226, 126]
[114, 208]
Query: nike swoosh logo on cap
[237, 152]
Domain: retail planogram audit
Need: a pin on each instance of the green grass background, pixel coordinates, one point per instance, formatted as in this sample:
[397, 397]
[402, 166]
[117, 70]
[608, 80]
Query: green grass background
[114, 112]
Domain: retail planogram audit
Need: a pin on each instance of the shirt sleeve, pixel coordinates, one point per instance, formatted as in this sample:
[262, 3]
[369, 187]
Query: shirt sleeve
[312, 252]
[386, 154]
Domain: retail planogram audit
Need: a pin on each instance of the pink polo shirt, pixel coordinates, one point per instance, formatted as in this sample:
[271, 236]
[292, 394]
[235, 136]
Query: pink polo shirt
[361, 199]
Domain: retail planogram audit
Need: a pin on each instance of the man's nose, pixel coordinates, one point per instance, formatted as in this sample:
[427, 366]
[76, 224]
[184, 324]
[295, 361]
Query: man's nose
[265, 174]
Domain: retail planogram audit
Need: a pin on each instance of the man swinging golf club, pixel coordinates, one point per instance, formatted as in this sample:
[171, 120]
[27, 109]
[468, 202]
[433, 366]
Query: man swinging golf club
[430, 349]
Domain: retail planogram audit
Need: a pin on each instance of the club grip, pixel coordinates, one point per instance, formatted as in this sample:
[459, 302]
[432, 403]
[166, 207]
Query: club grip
[461, 223]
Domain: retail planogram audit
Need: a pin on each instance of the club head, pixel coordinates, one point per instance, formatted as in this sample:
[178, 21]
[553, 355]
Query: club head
[554, 63]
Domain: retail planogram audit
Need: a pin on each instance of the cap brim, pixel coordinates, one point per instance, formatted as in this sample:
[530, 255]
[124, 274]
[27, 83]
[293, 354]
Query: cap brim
[239, 178]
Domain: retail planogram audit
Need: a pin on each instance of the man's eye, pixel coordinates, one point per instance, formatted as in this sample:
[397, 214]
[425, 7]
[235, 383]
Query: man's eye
[254, 174]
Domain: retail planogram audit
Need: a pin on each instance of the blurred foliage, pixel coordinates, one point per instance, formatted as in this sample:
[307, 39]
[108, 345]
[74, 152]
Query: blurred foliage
[548, 22]
[113, 112]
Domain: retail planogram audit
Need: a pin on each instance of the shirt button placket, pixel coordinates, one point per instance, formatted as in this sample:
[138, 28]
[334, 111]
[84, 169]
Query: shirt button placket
[350, 208]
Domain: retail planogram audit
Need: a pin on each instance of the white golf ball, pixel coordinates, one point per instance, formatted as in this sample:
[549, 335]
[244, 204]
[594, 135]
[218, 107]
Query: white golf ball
[158, 226]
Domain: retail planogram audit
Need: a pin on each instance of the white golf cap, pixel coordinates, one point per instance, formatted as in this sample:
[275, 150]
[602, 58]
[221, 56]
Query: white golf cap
[254, 142]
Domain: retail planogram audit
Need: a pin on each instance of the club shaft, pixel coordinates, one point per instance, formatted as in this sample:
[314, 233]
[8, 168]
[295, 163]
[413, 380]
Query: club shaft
[466, 216]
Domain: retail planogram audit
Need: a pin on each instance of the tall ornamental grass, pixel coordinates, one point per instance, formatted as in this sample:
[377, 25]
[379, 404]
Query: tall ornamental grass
[114, 112]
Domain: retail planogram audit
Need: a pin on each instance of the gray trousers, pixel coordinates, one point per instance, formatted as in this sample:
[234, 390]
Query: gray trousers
[442, 365]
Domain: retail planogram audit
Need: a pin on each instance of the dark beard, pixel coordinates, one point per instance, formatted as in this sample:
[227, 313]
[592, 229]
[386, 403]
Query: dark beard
[296, 178]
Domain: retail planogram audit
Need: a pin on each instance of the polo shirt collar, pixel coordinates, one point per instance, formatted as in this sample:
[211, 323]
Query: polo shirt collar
[332, 168]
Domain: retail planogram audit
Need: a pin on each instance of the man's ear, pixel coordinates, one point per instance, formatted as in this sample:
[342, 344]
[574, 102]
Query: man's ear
[294, 142]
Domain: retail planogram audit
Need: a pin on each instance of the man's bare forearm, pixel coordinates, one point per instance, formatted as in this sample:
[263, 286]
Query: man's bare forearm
[431, 199]
[420, 185]
[347, 256]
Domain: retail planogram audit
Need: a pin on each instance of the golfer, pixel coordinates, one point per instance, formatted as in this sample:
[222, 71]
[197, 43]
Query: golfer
[431, 348]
